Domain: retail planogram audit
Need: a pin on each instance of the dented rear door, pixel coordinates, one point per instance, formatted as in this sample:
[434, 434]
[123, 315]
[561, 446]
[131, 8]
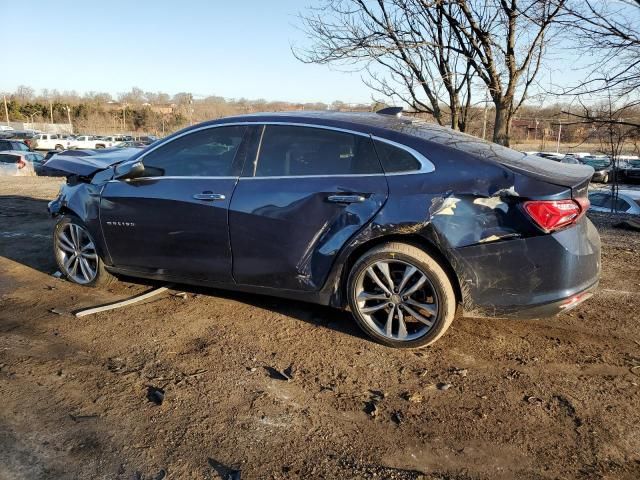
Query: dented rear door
[306, 194]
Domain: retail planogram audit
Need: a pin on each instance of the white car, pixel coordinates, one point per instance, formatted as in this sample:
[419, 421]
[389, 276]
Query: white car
[88, 141]
[628, 201]
[49, 141]
[579, 154]
[17, 163]
[112, 140]
[5, 127]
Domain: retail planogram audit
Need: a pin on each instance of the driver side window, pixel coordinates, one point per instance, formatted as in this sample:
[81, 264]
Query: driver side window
[205, 153]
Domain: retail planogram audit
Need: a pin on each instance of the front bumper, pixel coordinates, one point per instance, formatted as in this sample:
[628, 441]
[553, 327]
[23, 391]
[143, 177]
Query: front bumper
[530, 277]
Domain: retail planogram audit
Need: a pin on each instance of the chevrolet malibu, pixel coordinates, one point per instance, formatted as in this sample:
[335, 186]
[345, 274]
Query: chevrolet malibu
[401, 222]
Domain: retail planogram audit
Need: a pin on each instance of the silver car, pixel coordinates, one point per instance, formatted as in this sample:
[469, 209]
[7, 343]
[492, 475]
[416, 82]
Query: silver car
[17, 163]
[628, 201]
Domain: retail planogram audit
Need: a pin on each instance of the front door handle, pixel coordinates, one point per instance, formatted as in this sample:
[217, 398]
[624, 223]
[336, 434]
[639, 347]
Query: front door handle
[346, 198]
[209, 197]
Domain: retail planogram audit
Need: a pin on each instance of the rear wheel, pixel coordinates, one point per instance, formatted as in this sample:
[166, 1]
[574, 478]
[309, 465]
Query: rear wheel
[400, 296]
[76, 254]
[59, 148]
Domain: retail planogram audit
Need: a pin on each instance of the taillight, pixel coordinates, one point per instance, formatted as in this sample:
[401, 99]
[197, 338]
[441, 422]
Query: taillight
[21, 164]
[554, 214]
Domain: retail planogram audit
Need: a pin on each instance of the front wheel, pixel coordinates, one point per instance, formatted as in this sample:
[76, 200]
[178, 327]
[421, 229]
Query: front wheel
[76, 254]
[400, 296]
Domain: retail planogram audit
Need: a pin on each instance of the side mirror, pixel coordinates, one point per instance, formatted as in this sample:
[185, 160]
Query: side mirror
[128, 170]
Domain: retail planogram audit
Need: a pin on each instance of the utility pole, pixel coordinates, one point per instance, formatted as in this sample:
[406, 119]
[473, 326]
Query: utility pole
[66, 107]
[124, 117]
[6, 110]
[190, 109]
[559, 133]
[51, 110]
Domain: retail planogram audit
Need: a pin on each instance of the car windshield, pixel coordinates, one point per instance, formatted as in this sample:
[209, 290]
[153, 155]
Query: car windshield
[597, 162]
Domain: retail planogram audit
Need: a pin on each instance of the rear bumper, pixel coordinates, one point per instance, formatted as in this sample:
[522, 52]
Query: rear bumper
[531, 277]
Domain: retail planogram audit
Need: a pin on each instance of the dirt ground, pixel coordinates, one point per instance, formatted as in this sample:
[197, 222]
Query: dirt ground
[493, 399]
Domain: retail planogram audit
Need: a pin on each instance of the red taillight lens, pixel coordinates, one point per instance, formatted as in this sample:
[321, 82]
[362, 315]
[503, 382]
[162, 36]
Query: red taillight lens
[554, 214]
[21, 164]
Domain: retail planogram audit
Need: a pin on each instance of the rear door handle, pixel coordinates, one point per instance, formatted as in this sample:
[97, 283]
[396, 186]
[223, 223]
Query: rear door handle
[346, 198]
[209, 197]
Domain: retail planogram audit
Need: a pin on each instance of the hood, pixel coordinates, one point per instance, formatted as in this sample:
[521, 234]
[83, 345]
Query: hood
[86, 166]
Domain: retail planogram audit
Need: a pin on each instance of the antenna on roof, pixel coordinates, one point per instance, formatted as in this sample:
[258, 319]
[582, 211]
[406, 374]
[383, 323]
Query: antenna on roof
[395, 111]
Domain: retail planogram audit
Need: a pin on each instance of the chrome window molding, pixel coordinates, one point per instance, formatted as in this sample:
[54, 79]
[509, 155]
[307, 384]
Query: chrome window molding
[280, 177]
[426, 165]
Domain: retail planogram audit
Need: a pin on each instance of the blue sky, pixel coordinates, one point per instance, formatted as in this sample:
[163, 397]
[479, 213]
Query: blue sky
[216, 47]
[232, 49]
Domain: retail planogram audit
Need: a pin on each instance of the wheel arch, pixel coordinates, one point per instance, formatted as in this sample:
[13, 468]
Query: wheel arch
[411, 239]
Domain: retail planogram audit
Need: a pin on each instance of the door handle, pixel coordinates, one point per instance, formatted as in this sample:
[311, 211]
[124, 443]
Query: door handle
[209, 197]
[346, 198]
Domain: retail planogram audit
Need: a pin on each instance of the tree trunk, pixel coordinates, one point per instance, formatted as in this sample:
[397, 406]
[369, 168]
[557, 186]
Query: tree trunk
[454, 117]
[502, 125]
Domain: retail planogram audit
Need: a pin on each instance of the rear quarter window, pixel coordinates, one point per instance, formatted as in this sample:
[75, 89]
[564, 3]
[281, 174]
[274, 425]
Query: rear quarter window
[395, 159]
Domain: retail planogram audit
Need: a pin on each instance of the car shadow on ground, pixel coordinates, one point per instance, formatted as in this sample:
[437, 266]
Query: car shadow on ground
[25, 237]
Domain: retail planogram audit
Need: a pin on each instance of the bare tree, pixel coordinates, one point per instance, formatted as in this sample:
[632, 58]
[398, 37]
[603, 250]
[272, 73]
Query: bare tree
[608, 30]
[505, 41]
[434, 48]
[612, 124]
[403, 48]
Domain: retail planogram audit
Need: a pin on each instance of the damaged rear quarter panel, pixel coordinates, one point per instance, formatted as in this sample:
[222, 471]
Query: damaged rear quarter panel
[465, 202]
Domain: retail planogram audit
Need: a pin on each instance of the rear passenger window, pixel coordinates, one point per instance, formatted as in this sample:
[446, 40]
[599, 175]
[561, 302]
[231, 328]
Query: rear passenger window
[9, 158]
[396, 159]
[302, 151]
[205, 153]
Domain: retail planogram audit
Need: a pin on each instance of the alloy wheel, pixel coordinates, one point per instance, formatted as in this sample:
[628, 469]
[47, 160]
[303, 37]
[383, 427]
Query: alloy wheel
[76, 253]
[396, 299]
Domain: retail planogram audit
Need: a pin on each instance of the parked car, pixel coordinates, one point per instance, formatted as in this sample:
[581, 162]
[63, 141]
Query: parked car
[13, 145]
[551, 155]
[132, 144]
[16, 163]
[397, 219]
[579, 155]
[88, 141]
[628, 201]
[630, 172]
[50, 141]
[602, 166]
[24, 136]
[112, 140]
[570, 160]
[5, 128]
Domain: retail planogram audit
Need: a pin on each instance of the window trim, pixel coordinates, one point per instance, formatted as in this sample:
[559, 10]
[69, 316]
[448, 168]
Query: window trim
[426, 165]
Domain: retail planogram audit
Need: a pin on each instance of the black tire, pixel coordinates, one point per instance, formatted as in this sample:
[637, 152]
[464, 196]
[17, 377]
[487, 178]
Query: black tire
[98, 147]
[102, 277]
[59, 148]
[440, 283]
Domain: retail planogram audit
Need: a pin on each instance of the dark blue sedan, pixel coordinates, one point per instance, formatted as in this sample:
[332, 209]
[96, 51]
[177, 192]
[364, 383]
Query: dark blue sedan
[400, 221]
